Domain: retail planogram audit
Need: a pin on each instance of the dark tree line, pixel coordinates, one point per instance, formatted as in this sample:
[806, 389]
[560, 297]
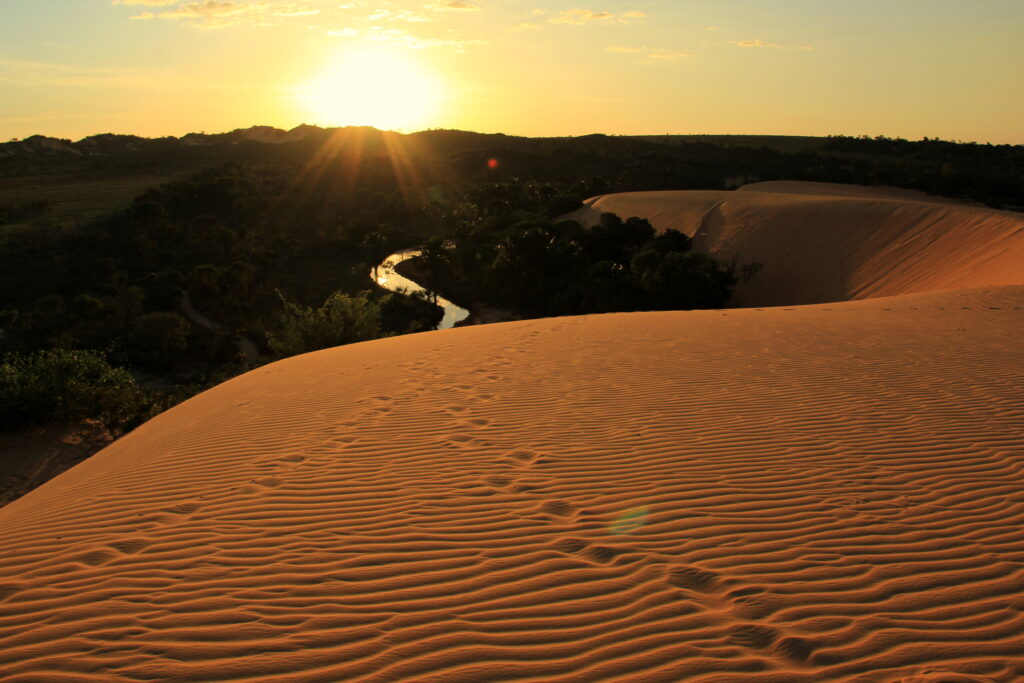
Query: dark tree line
[543, 267]
[244, 247]
[274, 242]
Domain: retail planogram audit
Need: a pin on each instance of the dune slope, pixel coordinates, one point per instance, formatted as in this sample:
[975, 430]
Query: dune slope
[826, 492]
[819, 242]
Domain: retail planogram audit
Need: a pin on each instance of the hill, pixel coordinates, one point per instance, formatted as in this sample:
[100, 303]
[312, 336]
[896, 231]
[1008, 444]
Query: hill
[819, 242]
[793, 494]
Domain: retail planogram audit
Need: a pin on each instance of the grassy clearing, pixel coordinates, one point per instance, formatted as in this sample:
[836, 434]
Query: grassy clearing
[75, 198]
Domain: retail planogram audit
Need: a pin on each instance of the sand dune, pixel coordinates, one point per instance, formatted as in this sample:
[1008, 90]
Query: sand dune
[823, 492]
[819, 242]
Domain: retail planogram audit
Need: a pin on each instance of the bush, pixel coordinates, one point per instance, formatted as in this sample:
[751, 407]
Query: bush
[60, 384]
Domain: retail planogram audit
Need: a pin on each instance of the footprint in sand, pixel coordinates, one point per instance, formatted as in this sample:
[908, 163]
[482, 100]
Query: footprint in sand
[745, 592]
[601, 554]
[183, 508]
[524, 488]
[755, 607]
[794, 649]
[130, 546]
[95, 558]
[559, 508]
[523, 458]
[752, 636]
[693, 579]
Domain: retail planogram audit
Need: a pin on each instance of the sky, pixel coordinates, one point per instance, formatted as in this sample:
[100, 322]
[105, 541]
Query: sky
[951, 69]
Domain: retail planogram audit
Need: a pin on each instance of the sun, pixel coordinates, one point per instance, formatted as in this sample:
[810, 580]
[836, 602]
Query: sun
[385, 90]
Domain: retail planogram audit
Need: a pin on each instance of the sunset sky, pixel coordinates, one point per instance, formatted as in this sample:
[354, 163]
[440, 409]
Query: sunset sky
[939, 68]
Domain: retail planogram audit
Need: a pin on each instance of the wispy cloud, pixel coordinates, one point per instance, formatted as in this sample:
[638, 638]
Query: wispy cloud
[452, 5]
[224, 13]
[652, 55]
[581, 17]
[148, 3]
[398, 15]
[754, 43]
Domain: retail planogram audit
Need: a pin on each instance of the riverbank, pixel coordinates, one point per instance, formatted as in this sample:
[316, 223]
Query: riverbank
[479, 313]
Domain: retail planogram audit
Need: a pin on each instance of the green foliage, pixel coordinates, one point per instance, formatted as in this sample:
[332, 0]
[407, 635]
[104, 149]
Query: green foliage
[409, 312]
[342, 319]
[314, 216]
[541, 267]
[59, 384]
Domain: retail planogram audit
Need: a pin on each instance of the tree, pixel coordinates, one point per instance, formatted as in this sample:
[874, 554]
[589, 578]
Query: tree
[159, 339]
[377, 243]
[342, 319]
[435, 258]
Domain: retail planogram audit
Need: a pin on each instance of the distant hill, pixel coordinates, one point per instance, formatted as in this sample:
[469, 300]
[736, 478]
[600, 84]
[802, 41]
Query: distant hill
[991, 174]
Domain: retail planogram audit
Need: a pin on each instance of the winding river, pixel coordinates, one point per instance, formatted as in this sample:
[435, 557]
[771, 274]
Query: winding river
[389, 279]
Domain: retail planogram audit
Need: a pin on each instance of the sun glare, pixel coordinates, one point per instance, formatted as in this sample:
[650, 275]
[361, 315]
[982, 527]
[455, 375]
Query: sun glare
[380, 89]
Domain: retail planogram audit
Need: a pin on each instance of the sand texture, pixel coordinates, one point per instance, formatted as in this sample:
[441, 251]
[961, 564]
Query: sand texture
[809, 493]
[819, 242]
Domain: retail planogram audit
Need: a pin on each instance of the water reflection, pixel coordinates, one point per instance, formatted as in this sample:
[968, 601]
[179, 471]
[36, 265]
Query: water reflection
[389, 279]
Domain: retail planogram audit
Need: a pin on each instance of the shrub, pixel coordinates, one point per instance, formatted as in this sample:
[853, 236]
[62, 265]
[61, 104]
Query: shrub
[61, 384]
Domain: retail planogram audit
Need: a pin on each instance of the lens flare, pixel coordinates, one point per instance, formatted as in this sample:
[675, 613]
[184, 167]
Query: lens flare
[629, 521]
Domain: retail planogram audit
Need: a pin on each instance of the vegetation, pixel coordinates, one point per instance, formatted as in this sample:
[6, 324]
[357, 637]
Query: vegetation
[265, 250]
[340, 320]
[62, 385]
[543, 267]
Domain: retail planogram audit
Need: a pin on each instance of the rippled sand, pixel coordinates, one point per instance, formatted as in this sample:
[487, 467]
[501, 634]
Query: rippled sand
[800, 493]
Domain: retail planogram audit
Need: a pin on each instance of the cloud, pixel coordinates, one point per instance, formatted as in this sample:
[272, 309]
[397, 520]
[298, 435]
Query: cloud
[756, 43]
[652, 54]
[148, 3]
[224, 13]
[774, 46]
[453, 5]
[580, 17]
[397, 15]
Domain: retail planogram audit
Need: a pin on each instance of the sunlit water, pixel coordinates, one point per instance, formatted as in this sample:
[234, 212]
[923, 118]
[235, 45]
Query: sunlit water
[389, 279]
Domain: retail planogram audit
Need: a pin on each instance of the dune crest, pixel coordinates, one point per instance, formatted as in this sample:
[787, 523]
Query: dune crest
[827, 492]
[819, 242]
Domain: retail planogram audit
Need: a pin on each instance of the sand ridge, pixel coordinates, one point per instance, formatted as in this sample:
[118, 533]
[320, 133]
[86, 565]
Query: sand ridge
[820, 242]
[808, 493]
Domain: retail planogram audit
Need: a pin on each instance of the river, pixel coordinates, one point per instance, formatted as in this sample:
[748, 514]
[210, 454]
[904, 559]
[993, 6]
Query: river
[389, 279]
